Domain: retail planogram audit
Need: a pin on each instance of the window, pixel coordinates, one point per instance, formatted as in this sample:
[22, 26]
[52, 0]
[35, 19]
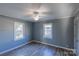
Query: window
[47, 31]
[18, 30]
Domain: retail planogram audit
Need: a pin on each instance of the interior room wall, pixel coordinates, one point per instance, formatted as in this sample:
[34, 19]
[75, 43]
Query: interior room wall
[63, 32]
[7, 33]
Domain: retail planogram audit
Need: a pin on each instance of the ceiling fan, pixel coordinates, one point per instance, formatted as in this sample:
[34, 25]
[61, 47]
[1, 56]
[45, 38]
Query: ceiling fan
[36, 12]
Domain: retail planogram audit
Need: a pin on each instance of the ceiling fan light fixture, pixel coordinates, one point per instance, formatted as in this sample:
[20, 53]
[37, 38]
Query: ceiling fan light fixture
[36, 18]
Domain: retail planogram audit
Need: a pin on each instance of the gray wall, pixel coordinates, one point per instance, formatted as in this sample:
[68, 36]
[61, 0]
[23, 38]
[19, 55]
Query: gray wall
[63, 32]
[7, 33]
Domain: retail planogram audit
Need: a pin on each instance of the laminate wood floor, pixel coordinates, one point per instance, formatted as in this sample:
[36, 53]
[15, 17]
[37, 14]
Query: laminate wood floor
[38, 49]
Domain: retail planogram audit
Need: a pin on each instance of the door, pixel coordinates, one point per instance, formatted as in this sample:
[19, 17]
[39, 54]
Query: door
[76, 35]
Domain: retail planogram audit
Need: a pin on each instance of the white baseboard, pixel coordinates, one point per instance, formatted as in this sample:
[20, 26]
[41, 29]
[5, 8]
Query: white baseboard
[14, 48]
[54, 45]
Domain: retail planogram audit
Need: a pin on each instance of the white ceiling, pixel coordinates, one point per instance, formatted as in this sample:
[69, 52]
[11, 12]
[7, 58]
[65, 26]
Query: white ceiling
[47, 11]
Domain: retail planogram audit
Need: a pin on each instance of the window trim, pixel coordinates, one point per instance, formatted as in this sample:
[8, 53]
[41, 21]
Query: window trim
[15, 30]
[46, 29]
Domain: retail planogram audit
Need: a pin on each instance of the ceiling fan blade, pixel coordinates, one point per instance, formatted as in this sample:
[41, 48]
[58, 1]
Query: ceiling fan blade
[47, 13]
